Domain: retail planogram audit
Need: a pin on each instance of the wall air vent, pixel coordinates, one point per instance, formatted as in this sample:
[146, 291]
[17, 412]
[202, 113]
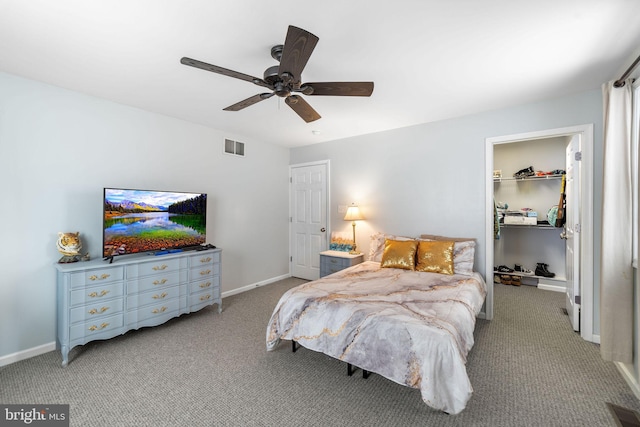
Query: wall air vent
[235, 148]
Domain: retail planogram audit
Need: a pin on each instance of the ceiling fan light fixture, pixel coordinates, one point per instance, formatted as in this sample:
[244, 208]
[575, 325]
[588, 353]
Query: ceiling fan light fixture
[282, 90]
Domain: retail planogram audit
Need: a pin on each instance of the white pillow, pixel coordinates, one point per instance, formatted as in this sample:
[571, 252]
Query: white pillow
[376, 245]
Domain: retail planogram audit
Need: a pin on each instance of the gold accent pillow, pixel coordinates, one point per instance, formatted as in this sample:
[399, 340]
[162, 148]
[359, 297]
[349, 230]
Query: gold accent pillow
[463, 252]
[435, 256]
[399, 254]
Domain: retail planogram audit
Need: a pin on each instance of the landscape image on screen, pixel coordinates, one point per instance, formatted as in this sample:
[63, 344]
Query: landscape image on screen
[143, 220]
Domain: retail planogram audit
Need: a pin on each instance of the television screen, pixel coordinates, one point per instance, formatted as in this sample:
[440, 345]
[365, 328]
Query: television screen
[144, 220]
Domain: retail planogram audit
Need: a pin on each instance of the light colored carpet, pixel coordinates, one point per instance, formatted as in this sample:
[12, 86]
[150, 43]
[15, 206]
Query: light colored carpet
[528, 368]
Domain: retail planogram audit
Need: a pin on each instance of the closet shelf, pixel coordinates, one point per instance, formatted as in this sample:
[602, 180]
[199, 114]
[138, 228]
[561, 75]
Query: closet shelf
[540, 226]
[533, 276]
[529, 178]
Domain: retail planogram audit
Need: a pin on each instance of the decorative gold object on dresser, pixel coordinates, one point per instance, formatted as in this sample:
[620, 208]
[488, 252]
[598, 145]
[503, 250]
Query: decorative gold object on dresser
[100, 301]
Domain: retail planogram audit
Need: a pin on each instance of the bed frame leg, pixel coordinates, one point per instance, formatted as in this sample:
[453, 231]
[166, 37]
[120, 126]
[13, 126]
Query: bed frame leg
[351, 370]
[294, 346]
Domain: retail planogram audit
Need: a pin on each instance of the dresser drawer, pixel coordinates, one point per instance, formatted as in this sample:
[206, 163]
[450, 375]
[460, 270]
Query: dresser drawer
[92, 294]
[96, 327]
[156, 296]
[205, 271]
[339, 263]
[156, 281]
[97, 310]
[209, 296]
[205, 284]
[92, 277]
[161, 312]
[153, 267]
[204, 259]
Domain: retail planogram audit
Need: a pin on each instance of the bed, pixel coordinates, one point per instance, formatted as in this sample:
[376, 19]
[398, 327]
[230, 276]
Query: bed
[412, 327]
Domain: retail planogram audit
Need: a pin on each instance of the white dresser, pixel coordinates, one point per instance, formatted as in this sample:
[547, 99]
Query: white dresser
[98, 300]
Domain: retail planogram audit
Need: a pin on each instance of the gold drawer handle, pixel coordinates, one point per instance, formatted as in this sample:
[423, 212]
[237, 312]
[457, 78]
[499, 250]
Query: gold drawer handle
[205, 297]
[160, 310]
[207, 259]
[160, 267]
[96, 311]
[101, 294]
[102, 277]
[205, 285]
[160, 282]
[162, 295]
[97, 328]
[205, 272]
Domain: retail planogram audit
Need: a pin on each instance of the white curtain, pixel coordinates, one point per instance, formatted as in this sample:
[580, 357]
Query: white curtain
[616, 274]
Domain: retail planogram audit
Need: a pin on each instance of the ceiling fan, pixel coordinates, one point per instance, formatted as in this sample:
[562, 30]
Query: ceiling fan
[284, 80]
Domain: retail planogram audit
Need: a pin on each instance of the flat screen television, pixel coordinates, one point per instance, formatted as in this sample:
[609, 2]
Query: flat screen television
[137, 221]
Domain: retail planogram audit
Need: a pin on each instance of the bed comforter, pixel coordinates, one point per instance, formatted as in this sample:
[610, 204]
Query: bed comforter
[411, 327]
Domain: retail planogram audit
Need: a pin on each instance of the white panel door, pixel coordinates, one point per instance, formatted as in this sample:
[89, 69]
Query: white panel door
[308, 219]
[572, 235]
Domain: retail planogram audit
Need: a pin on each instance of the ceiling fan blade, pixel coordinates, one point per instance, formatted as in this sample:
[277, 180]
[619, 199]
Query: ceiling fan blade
[338, 88]
[301, 107]
[248, 102]
[224, 71]
[297, 49]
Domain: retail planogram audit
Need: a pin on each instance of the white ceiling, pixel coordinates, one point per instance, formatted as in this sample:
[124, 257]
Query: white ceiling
[430, 59]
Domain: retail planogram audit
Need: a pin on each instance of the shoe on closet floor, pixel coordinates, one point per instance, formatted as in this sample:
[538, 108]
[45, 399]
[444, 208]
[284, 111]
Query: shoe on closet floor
[505, 279]
[541, 270]
[524, 271]
[504, 269]
[515, 281]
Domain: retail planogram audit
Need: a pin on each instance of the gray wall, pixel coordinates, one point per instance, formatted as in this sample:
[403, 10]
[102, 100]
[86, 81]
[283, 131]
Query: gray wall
[431, 178]
[58, 149]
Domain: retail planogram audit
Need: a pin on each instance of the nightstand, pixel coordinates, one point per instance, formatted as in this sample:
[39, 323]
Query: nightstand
[333, 261]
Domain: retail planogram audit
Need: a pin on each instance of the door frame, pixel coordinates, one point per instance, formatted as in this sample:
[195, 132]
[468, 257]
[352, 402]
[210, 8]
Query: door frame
[586, 216]
[327, 164]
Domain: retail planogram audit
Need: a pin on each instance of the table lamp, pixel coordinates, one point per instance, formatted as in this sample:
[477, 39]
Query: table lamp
[353, 214]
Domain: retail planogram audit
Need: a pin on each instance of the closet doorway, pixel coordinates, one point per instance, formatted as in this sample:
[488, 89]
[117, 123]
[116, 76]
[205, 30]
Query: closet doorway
[576, 271]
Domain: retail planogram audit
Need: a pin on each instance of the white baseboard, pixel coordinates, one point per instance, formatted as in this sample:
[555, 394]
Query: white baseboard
[26, 354]
[554, 288]
[627, 373]
[254, 285]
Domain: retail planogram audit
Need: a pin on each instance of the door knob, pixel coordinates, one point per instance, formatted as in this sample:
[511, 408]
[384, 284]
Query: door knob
[323, 229]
